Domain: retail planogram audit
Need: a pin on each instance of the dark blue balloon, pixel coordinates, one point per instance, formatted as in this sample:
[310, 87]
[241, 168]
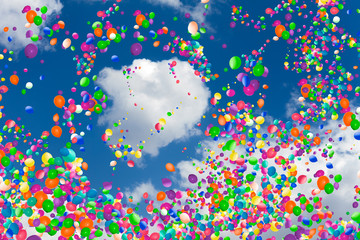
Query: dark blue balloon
[312, 158]
[357, 135]
[29, 109]
[246, 81]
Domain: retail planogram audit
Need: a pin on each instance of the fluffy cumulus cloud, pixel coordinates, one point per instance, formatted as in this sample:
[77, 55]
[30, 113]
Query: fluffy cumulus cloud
[141, 188]
[155, 93]
[12, 16]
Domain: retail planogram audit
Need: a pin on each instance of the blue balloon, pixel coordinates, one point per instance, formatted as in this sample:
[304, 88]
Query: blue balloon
[29, 109]
[246, 81]
[312, 158]
[357, 135]
[115, 58]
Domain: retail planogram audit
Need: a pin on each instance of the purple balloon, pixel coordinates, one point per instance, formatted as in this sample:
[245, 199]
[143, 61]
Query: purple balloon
[136, 49]
[34, 237]
[31, 50]
[255, 84]
[290, 237]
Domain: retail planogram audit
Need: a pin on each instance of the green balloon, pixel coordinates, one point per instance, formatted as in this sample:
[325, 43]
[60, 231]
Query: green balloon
[297, 211]
[97, 25]
[151, 15]
[98, 108]
[145, 23]
[52, 174]
[253, 160]
[102, 44]
[48, 205]
[258, 70]
[338, 178]
[43, 9]
[117, 38]
[84, 82]
[292, 26]
[98, 94]
[285, 35]
[224, 205]
[68, 223]
[250, 177]
[85, 232]
[13, 151]
[37, 20]
[134, 219]
[114, 228]
[235, 62]
[214, 131]
[356, 217]
[355, 124]
[195, 36]
[5, 161]
[329, 188]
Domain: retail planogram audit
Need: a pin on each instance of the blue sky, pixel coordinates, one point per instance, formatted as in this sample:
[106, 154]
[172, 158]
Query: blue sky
[58, 72]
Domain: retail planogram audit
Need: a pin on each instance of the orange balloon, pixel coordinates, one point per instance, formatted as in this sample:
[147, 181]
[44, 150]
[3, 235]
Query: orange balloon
[84, 166]
[221, 120]
[295, 132]
[27, 195]
[59, 101]
[156, 43]
[61, 24]
[98, 32]
[322, 181]
[52, 183]
[305, 89]
[44, 220]
[139, 19]
[14, 79]
[67, 232]
[30, 15]
[40, 197]
[260, 103]
[53, 41]
[289, 205]
[344, 103]
[347, 118]
[279, 30]
[317, 140]
[161, 196]
[110, 31]
[56, 131]
[170, 167]
[56, 117]
[87, 222]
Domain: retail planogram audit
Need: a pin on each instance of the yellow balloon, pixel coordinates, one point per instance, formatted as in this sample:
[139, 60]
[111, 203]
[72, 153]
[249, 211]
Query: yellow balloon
[162, 121]
[109, 132]
[260, 144]
[138, 154]
[217, 96]
[234, 156]
[118, 154]
[260, 120]
[286, 192]
[24, 188]
[256, 200]
[29, 162]
[45, 157]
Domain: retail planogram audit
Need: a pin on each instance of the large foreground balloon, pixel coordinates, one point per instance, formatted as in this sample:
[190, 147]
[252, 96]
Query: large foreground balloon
[31, 50]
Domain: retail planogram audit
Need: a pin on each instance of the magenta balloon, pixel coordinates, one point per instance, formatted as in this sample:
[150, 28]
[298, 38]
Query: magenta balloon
[266, 72]
[31, 50]
[136, 49]
[255, 84]
[249, 90]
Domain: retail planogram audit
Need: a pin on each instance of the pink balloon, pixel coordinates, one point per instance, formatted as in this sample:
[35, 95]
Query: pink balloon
[249, 90]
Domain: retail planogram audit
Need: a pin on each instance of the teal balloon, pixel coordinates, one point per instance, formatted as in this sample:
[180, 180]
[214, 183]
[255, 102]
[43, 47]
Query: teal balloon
[258, 70]
[285, 35]
[48, 205]
[31, 201]
[329, 188]
[114, 228]
[235, 62]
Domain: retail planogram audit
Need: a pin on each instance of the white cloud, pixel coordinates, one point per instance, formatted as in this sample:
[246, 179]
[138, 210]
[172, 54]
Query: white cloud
[157, 93]
[196, 11]
[12, 16]
[138, 191]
